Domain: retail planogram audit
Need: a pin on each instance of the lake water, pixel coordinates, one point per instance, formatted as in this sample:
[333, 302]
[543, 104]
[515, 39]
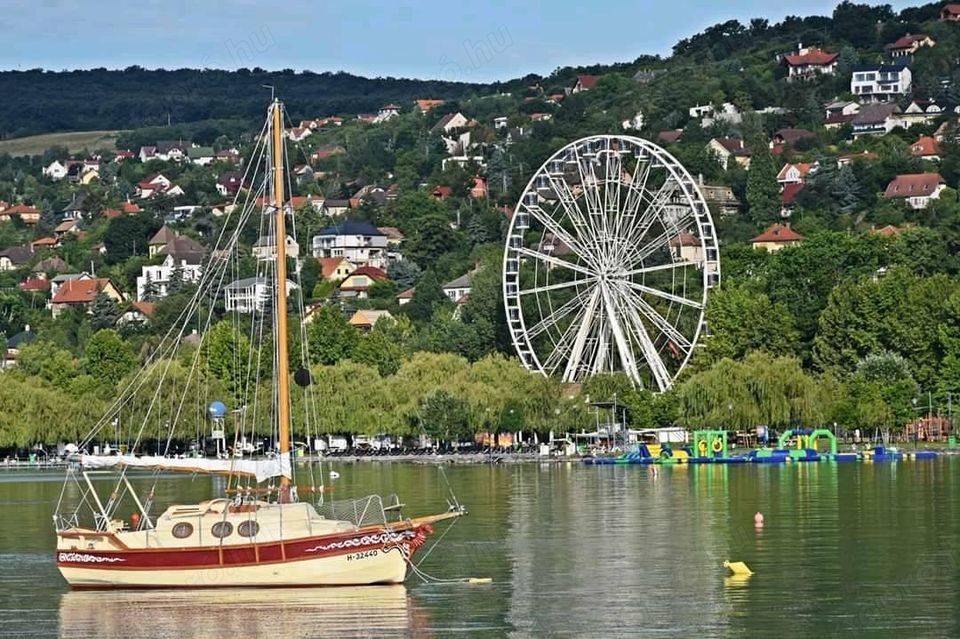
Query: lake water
[853, 550]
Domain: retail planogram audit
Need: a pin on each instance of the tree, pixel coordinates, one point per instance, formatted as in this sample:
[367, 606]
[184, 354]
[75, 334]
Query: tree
[428, 296]
[742, 321]
[310, 274]
[763, 195]
[176, 282]
[378, 350]
[149, 292]
[404, 272]
[226, 353]
[443, 416]
[331, 337]
[103, 311]
[108, 357]
[128, 235]
[432, 236]
[47, 361]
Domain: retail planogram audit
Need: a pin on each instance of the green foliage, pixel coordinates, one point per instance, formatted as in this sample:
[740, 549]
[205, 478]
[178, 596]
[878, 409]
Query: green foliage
[107, 357]
[331, 337]
[128, 235]
[104, 312]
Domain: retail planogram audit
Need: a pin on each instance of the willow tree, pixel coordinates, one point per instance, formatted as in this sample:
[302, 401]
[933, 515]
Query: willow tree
[760, 389]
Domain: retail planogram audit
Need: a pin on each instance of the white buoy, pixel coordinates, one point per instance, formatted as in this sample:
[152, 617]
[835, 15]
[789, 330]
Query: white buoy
[334, 474]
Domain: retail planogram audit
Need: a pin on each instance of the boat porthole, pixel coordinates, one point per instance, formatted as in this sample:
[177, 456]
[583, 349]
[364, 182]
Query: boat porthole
[221, 529]
[248, 529]
[182, 530]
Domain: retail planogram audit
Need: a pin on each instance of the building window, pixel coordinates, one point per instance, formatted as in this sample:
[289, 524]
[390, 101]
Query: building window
[182, 530]
[221, 529]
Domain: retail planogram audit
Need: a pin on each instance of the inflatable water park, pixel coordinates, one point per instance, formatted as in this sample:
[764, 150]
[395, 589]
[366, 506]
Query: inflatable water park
[794, 446]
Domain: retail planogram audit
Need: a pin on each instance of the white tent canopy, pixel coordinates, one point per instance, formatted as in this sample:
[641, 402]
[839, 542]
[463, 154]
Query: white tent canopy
[262, 469]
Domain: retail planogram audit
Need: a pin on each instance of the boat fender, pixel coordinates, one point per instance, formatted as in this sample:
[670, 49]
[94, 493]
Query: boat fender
[480, 580]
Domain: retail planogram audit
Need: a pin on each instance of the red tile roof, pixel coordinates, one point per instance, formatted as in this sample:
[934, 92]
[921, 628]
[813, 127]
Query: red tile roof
[669, 137]
[951, 9]
[918, 184]
[35, 284]
[888, 231]
[685, 238]
[146, 308]
[907, 41]
[780, 233]
[79, 291]
[407, 294]
[734, 146]
[790, 136]
[328, 265]
[926, 146]
[44, 241]
[813, 56]
[442, 192]
[130, 208]
[587, 81]
[372, 272]
[803, 168]
[790, 192]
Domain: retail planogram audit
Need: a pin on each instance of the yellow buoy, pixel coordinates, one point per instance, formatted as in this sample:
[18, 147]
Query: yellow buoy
[738, 568]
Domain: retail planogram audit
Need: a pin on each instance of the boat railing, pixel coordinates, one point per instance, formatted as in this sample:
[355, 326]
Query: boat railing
[366, 511]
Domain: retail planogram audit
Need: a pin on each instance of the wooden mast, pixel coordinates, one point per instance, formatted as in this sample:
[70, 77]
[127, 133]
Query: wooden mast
[280, 240]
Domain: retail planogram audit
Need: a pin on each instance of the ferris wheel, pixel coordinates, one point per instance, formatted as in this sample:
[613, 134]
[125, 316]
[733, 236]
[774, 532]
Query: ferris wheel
[610, 257]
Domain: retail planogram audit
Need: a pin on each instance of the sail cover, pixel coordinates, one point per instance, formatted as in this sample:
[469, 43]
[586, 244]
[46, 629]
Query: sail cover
[262, 469]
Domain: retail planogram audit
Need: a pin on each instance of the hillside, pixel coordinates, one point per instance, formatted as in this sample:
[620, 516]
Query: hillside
[72, 141]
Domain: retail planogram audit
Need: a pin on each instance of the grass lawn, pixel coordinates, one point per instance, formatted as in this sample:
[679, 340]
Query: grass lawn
[74, 141]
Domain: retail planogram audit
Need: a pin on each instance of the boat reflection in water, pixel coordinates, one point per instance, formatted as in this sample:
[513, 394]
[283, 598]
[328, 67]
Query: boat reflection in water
[361, 611]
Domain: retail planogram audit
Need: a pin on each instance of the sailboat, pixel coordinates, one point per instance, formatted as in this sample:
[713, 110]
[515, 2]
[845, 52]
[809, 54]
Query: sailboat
[264, 530]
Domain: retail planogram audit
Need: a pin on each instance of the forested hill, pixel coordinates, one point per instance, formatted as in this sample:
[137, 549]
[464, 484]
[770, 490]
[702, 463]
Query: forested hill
[38, 101]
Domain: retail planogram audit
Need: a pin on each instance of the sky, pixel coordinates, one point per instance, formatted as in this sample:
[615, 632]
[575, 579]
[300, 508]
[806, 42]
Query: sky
[478, 41]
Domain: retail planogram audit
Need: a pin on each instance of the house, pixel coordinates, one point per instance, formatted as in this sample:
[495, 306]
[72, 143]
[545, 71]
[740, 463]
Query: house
[298, 134]
[359, 281]
[720, 198]
[364, 319]
[229, 183]
[670, 137]
[123, 154]
[147, 153]
[160, 239]
[584, 83]
[788, 198]
[71, 226]
[808, 63]
[796, 173]
[157, 185]
[26, 214]
[50, 265]
[130, 208]
[950, 13]
[923, 111]
[367, 118]
[77, 207]
[909, 44]
[540, 117]
[35, 284]
[183, 261]
[387, 112]
[879, 83]
[646, 76]
[335, 269]
[726, 148]
[635, 123]
[360, 242]
[44, 242]
[228, 155]
[406, 296]
[875, 119]
[500, 122]
[252, 294]
[926, 148]
[15, 257]
[63, 278]
[917, 189]
[326, 151]
[888, 231]
[442, 192]
[728, 113]
[79, 292]
[265, 248]
[137, 314]
[425, 105]
[479, 188]
[15, 343]
[839, 113]
[700, 111]
[685, 247]
[56, 170]
[171, 150]
[459, 288]
[776, 237]
[394, 236]
[336, 208]
[450, 122]
[788, 137]
[201, 155]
